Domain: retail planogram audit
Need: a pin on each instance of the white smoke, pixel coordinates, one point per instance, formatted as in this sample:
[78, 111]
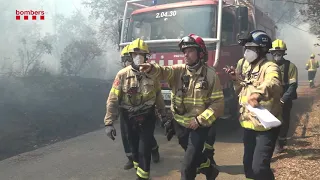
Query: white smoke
[300, 46]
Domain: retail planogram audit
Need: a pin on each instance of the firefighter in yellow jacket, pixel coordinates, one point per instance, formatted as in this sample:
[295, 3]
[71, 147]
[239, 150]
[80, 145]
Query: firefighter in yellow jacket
[126, 60]
[289, 72]
[196, 102]
[312, 66]
[260, 86]
[135, 95]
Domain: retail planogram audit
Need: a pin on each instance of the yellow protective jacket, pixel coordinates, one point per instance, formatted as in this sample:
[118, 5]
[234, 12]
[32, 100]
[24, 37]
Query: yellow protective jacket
[289, 81]
[205, 102]
[263, 77]
[242, 65]
[312, 65]
[160, 105]
[132, 91]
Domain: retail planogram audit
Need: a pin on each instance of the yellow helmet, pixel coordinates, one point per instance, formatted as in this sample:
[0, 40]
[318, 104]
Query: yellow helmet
[125, 51]
[138, 46]
[312, 56]
[278, 45]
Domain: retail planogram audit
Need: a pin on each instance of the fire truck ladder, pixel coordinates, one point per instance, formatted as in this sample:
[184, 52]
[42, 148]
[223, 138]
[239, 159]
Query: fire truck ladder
[135, 3]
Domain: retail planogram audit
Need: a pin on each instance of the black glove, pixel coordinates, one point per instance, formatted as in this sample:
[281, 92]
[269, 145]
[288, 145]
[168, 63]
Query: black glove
[111, 132]
[167, 126]
[163, 121]
[169, 130]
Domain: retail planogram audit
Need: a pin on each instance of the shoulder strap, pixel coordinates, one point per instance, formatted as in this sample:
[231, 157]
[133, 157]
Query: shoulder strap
[241, 66]
[286, 71]
[204, 72]
[262, 68]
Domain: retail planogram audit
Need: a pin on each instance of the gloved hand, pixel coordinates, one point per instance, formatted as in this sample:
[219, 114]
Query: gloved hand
[167, 126]
[111, 132]
[169, 130]
[163, 121]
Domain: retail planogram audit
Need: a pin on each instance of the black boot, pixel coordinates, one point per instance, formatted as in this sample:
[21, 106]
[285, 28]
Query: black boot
[155, 155]
[212, 161]
[139, 178]
[209, 153]
[278, 149]
[129, 164]
[212, 173]
[280, 146]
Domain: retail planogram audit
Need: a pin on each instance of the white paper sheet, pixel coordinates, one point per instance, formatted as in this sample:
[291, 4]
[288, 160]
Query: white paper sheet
[267, 119]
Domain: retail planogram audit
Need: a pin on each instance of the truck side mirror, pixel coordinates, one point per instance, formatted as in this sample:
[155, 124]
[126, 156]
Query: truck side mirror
[120, 21]
[242, 14]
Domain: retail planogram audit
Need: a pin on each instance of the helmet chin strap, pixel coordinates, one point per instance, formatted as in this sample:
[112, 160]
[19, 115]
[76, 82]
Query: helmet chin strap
[135, 67]
[261, 55]
[195, 66]
[281, 61]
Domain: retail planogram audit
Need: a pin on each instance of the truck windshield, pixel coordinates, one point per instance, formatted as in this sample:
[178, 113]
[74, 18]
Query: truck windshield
[174, 23]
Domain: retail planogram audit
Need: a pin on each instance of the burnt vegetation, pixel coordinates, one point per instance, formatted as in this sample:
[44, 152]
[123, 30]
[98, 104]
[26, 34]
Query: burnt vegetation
[53, 86]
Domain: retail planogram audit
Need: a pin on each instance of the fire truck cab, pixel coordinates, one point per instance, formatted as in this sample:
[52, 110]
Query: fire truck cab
[220, 23]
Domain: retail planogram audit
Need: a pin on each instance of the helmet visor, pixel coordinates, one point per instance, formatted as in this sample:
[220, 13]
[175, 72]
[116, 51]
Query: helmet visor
[187, 41]
[251, 44]
[277, 53]
[126, 58]
[245, 39]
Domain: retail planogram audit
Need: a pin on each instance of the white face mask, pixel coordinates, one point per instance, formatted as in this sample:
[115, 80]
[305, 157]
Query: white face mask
[277, 57]
[269, 57]
[127, 63]
[139, 59]
[250, 55]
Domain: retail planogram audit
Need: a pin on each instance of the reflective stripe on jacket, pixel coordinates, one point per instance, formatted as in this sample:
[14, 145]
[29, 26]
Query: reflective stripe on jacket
[202, 99]
[263, 77]
[131, 91]
[289, 73]
[312, 65]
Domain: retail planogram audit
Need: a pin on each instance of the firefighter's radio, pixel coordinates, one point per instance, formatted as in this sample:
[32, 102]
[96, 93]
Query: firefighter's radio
[203, 84]
[186, 82]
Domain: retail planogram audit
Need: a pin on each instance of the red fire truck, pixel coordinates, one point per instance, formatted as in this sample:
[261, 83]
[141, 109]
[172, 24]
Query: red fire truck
[162, 24]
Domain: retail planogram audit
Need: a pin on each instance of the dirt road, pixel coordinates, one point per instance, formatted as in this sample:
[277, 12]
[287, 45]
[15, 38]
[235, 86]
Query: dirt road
[94, 157]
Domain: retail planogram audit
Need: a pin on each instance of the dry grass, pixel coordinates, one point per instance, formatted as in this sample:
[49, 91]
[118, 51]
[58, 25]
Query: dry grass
[301, 160]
